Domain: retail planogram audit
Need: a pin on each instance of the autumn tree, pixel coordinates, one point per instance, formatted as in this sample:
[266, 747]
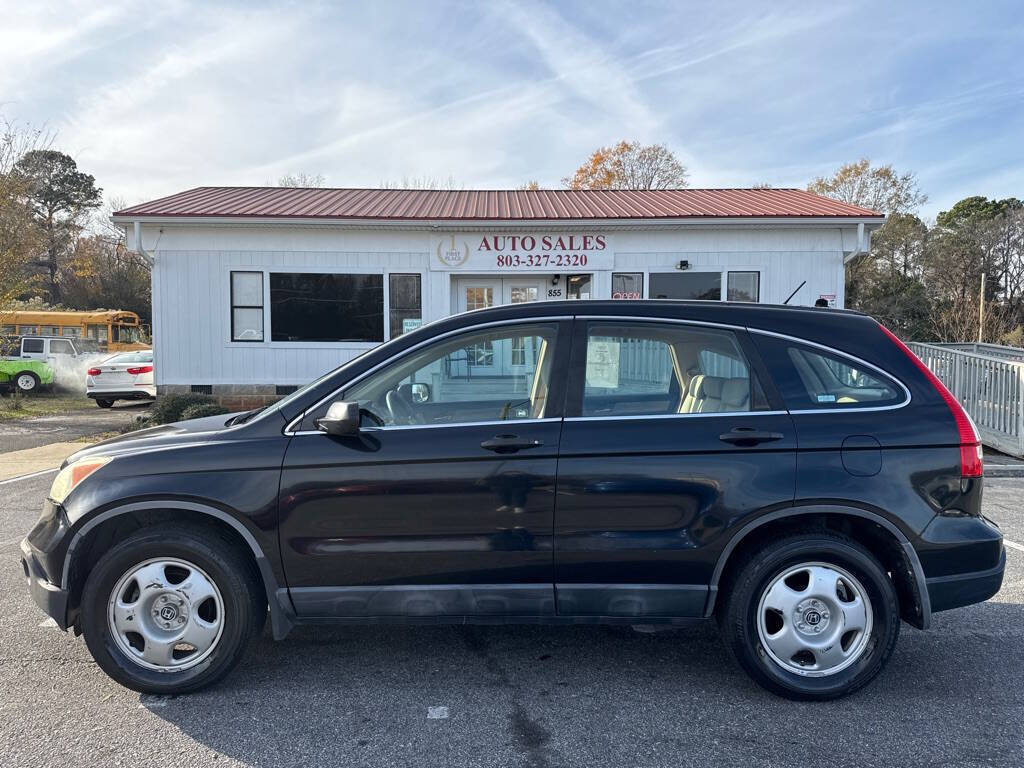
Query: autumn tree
[881, 189]
[529, 186]
[103, 274]
[60, 197]
[630, 165]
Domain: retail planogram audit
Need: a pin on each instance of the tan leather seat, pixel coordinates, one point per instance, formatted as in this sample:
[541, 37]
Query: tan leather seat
[709, 397]
[689, 401]
[735, 395]
[715, 394]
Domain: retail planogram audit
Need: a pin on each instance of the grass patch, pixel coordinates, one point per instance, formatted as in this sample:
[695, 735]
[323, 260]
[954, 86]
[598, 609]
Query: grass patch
[42, 404]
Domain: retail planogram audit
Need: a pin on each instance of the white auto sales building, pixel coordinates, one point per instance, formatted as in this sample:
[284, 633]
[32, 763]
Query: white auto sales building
[257, 290]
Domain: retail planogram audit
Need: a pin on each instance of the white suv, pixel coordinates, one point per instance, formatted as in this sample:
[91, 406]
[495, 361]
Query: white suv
[125, 376]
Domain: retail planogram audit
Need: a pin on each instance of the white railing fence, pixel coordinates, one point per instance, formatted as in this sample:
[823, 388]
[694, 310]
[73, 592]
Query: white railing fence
[988, 379]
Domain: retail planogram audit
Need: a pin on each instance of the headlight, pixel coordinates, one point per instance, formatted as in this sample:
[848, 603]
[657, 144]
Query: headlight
[68, 478]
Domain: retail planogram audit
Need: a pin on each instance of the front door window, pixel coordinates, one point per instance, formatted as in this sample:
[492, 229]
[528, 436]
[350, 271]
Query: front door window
[437, 386]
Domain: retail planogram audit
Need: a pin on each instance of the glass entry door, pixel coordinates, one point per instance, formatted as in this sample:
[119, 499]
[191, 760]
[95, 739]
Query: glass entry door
[480, 292]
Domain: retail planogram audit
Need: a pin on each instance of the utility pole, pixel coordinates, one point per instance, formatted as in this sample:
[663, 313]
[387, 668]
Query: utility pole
[981, 309]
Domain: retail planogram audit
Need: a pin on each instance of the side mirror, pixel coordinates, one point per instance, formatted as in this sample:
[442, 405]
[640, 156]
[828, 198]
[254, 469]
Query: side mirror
[420, 393]
[342, 419]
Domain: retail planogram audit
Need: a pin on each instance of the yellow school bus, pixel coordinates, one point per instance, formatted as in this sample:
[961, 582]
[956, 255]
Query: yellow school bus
[114, 330]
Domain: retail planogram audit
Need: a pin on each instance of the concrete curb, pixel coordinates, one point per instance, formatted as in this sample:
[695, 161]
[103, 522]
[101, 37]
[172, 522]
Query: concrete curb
[999, 470]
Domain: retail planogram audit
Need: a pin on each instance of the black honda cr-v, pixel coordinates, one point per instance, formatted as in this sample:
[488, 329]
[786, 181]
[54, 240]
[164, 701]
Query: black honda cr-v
[796, 474]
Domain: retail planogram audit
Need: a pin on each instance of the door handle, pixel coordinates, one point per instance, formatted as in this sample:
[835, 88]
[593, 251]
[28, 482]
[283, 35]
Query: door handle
[509, 444]
[745, 436]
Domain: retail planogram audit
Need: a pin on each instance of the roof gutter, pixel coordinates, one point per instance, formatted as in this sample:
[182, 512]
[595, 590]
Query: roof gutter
[137, 232]
[863, 246]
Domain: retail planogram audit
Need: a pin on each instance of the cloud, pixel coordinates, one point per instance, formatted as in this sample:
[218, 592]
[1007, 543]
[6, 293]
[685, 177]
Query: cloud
[228, 92]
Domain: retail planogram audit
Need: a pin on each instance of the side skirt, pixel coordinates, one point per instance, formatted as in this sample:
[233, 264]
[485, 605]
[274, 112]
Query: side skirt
[502, 603]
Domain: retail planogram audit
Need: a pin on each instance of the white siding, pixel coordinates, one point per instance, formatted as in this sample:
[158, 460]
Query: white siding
[192, 320]
[191, 290]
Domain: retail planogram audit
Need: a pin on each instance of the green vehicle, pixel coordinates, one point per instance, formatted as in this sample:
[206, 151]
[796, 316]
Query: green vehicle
[24, 375]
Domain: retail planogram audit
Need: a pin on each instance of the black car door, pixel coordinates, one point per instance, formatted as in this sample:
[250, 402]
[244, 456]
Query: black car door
[443, 504]
[669, 443]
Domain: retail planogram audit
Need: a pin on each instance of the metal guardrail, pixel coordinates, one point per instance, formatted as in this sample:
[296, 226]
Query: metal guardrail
[988, 379]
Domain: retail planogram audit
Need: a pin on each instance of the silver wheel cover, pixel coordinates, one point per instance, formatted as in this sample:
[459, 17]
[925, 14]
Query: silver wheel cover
[814, 619]
[26, 382]
[166, 614]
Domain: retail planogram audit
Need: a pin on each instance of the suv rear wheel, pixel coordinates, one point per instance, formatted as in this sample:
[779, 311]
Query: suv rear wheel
[811, 616]
[170, 611]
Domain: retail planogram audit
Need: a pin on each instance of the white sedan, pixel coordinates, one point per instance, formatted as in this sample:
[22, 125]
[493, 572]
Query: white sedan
[125, 376]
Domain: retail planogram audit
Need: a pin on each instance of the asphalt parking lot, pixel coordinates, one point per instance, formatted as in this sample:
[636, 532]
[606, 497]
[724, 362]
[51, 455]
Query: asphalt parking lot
[514, 696]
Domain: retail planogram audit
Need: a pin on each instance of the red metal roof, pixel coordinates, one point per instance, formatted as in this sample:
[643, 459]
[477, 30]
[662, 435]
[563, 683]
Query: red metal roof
[550, 204]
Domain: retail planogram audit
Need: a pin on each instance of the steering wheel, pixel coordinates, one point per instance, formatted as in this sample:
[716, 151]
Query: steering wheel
[401, 409]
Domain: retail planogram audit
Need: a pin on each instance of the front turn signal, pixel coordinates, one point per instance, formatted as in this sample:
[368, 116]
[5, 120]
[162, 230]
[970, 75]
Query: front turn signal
[69, 478]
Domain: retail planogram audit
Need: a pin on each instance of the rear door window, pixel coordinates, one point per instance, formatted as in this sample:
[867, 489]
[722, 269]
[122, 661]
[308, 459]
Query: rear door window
[810, 378]
[646, 369]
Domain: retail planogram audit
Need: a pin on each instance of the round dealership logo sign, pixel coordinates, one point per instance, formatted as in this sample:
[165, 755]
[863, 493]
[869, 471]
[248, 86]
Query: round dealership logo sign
[450, 255]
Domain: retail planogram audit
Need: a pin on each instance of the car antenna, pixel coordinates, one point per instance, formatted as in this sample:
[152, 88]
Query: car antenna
[794, 292]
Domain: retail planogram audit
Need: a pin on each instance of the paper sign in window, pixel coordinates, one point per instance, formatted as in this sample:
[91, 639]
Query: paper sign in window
[603, 364]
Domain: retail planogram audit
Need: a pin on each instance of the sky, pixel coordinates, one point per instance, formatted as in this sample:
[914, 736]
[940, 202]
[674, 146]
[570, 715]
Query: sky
[159, 97]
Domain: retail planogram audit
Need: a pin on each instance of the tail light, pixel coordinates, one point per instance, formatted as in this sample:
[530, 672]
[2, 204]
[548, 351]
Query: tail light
[971, 464]
[140, 369]
[93, 372]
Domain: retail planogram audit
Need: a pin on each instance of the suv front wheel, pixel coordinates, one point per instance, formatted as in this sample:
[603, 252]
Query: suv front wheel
[171, 610]
[811, 616]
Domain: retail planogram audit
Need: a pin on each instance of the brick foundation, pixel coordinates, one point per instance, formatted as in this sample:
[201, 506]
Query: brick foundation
[234, 397]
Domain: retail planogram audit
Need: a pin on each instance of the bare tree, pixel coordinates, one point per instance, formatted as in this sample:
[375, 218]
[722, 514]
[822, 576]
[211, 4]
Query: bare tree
[21, 241]
[301, 180]
[424, 182]
[630, 165]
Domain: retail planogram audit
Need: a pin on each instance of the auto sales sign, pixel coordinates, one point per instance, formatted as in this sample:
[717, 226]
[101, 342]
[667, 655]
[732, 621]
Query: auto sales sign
[542, 252]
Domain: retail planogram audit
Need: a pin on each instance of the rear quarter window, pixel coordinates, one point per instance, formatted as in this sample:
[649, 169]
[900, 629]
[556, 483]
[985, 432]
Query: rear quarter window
[811, 378]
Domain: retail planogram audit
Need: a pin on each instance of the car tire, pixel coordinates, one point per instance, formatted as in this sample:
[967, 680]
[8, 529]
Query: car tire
[782, 598]
[218, 626]
[26, 382]
[103, 402]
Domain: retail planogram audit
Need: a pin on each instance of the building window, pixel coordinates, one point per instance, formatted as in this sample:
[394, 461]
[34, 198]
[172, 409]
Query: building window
[308, 306]
[744, 286]
[247, 306]
[579, 286]
[706, 286]
[628, 285]
[405, 303]
[69, 331]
